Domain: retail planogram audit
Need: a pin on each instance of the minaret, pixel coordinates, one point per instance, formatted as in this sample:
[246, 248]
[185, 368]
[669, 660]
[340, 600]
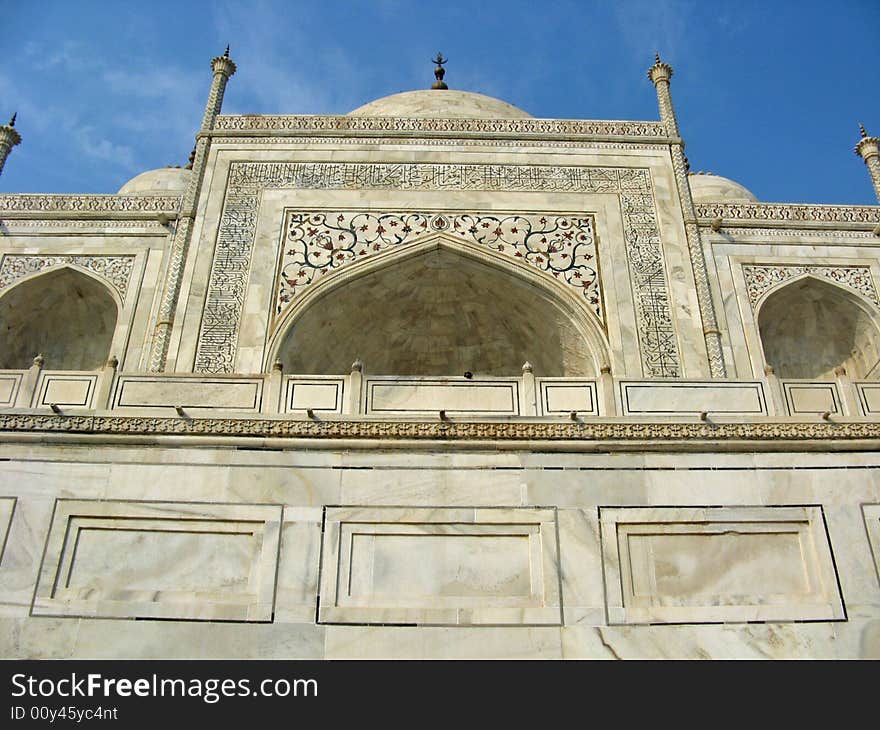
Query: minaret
[868, 149]
[660, 74]
[223, 68]
[9, 137]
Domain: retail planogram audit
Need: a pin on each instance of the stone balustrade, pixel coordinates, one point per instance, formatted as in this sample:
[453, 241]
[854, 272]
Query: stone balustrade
[394, 396]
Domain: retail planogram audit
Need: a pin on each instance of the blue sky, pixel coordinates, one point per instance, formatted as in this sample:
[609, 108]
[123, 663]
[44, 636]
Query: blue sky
[768, 93]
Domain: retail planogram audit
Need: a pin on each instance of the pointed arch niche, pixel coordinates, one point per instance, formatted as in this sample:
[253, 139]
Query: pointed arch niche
[64, 314]
[809, 327]
[439, 308]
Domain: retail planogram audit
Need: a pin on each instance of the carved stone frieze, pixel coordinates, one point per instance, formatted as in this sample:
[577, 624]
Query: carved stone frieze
[115, 270]
[584, 144]
[762, 277]
[529, 126]
[230, 267]
[829, 236]
[446, 431]
[96, 225]
[785, 212]
[82, 204]
[317, 243]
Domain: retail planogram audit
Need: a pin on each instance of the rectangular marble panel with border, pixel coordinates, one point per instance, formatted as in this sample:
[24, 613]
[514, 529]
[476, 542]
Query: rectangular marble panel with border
[320, 393]
[869, 397]
[440, 566]
[169, 560]
[669, 398]
[68, 389]
[872, 524]
[718, 564]
[200, 392]
[402, 396]
[811, 397]
[563, 395]
[10, 382]
[7, 509]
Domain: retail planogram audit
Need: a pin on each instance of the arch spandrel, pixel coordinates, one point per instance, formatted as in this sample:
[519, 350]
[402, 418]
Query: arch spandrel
[64, 313]
[809, 327]
[439, 307]
[317, 244]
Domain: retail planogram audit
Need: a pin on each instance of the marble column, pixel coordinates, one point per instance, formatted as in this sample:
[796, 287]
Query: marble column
[224, 68]
[660, 74]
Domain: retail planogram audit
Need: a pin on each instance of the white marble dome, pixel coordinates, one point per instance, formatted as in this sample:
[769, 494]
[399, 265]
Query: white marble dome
[164, 181]
[440, 103]
[706, 187]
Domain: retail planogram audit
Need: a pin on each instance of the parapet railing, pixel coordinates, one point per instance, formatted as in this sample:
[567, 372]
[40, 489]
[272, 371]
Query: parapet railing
[397, 396]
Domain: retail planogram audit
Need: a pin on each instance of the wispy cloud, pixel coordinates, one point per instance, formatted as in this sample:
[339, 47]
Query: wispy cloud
[657, 26]
[281, 67]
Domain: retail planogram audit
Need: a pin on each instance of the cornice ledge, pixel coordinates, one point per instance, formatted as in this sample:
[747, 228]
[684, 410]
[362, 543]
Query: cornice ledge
[529, 431]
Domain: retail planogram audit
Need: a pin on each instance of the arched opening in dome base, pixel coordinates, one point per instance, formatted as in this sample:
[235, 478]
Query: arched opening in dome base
[64, 315]
[809, 328]
[440, 308]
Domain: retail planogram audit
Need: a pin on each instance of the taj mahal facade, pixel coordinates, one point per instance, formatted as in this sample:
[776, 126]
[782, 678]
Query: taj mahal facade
[438, 379]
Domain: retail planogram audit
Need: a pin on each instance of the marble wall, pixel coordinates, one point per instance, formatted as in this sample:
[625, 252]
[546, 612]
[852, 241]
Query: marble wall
[458, 553]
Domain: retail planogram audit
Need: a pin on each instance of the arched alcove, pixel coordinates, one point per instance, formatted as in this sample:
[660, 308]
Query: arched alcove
[810, 327]
[65, 315]
[438, 312]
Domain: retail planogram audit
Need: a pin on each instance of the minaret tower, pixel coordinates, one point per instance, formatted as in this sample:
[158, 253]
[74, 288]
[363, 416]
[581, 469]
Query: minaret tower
[9, 137]
[868, 149]
[223, 67]
[660, 74]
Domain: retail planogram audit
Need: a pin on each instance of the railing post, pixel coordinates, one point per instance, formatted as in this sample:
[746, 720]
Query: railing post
[25, 398]
[775, 394]
[105, 384]
[354, 402]
[272, 395]
[529, 395]
[849, 397]
[607, 401]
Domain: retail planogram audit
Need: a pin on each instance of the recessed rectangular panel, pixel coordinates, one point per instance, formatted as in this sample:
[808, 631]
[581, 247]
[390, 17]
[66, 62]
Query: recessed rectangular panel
[9, 385]
[439, 566]
[685, 566]
[72, 391]
[99, 547]
[443, 563]
[690, 398]
[566, 396]
[869, 395]
[701, 565]
[160, 560]
[872, 523]
[811, 398]
[209, 393]
[402, 396]
[319, 394]
[7, 508]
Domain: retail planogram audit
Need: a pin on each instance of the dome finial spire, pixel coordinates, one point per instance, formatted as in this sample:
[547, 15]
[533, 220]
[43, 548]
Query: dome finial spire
[12, 121]
[439, 72]
[862, 130]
